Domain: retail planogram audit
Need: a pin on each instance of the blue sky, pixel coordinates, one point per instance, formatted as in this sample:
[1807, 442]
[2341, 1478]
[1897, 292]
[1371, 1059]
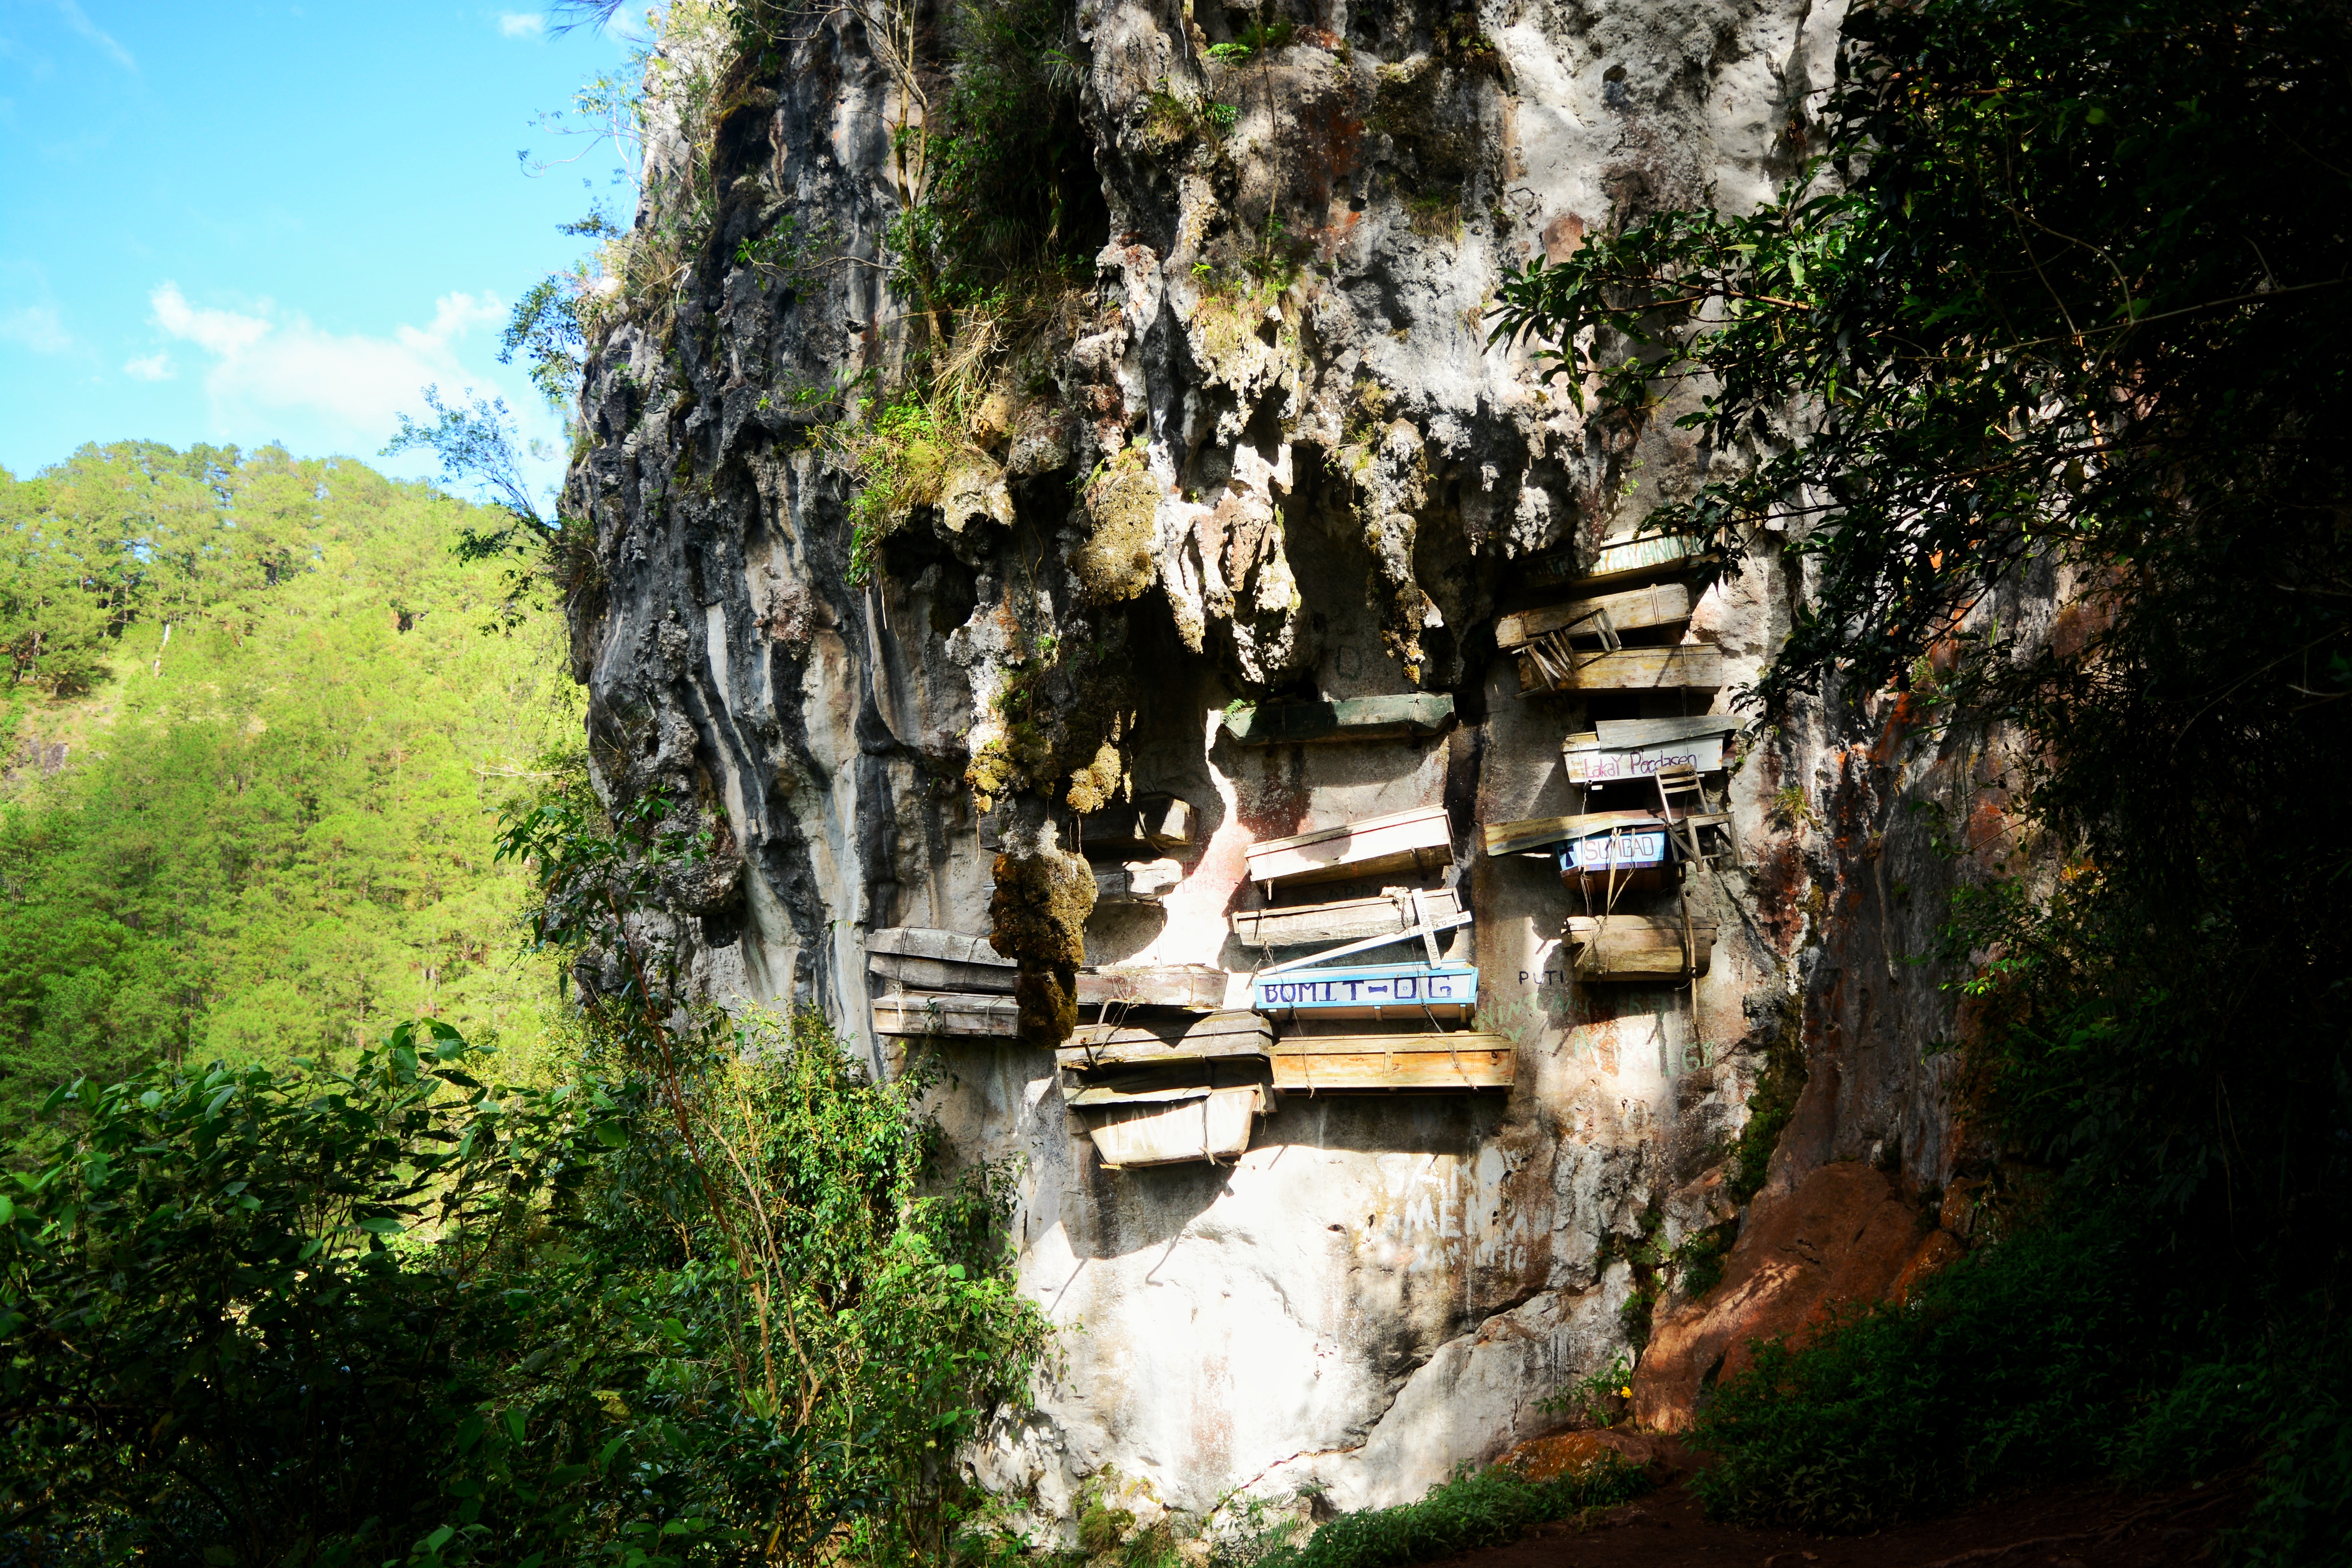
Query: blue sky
[247, 223]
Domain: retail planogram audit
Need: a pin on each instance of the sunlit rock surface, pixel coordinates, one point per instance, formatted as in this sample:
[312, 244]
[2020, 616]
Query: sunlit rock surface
[1219, 491]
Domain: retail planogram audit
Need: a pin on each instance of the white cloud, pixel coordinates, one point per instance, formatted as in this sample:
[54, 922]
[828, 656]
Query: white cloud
[521, 23]
[37, 327]
[96, 35]
[156, 366]
[271, 366]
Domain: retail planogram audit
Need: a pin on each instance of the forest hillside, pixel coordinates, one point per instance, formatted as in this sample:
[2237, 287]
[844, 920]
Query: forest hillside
[259, 719]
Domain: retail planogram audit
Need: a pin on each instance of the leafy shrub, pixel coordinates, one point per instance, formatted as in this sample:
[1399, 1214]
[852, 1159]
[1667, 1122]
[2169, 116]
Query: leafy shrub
[1477, 1507]
[2016, 1365]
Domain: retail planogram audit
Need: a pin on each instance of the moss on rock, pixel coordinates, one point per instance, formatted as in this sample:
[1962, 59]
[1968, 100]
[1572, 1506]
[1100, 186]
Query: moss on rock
[1122, 504]
[1038, 918]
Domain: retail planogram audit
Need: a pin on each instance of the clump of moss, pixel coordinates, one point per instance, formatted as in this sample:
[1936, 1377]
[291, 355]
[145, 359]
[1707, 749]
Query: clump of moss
[1770, 1107]
[1122, 502]
[1093, 786]
[1037, 918]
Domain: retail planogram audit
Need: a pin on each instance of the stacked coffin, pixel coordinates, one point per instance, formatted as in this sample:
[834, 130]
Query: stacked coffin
[1166, 1090]
[1132, 846]
[1581, 646]
[947, 985]
[1321, 998]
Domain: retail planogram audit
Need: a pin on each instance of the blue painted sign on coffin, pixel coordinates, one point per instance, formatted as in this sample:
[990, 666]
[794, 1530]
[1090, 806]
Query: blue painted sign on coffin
[1441, 991]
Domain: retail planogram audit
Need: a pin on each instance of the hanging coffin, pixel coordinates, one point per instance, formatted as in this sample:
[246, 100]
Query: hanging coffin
[1685, 666]
[1185, 1128]
[949, 1015]
[1637, 749]
[1348, 718]
[1446, 993]
[1638, 947]
[1194, 987]
[1627, 859]
[1596, 620]
[1543, 832]
[1153, 824]
[1623, 562]
[1158, 1043]
[916, 958]
[1391, 911]
[1434, 1061]
[1138, 882]
[1419, 840]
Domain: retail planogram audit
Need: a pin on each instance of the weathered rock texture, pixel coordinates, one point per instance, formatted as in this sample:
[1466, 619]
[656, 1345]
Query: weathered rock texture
[1212, 490]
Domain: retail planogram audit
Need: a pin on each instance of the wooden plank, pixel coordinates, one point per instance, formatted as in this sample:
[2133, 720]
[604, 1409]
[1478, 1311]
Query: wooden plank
[1193, 986]
[1650, 731]
[950, 1013]
[1137, 882]
[1370, 991]
[1468, 1059]
[1348, 718]
[1646, 928]
[1294, 925]
[923, 942]
[1666, 605]
[1419, 840]
[1685, 666]
[1161, 1080]
[1216, 1126]
[1227, 1034]
[1593, 763]
[906, 973]
[1152, 824]
[1541, 832]
[1625, 562]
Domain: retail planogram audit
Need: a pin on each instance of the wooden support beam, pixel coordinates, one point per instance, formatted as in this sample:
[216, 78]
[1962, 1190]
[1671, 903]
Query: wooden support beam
[1467, 1059]
[1683, 667]
[1666, 605]
[1348, 718]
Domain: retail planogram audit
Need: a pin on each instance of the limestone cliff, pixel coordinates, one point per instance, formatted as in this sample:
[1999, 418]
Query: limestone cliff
[1194, 481]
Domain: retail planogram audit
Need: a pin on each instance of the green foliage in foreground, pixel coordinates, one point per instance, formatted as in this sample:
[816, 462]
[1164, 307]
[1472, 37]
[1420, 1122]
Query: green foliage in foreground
[2063, 302]
[249, 817]
[713, 1309]
[1477, 1507]
[2031, 1363]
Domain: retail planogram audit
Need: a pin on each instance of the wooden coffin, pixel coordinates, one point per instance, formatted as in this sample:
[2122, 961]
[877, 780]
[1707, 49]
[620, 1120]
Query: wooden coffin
[1195, 987]
[1439, 1060]
[1594, 758]
[1542, 832]
[1666, 605]
[1160, 1042]
[1683, 667]
[1418, 841]
[1200, 1124]
[1349, 919]
[1153, 824]
[950, 1014]
[1137, 882]
[1348, 718]
[1445, 992]
[1638, 947]
[1622, 562]
[918, 958]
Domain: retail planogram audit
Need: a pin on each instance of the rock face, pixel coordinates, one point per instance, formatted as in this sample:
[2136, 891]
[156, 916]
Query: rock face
[1203, 486]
